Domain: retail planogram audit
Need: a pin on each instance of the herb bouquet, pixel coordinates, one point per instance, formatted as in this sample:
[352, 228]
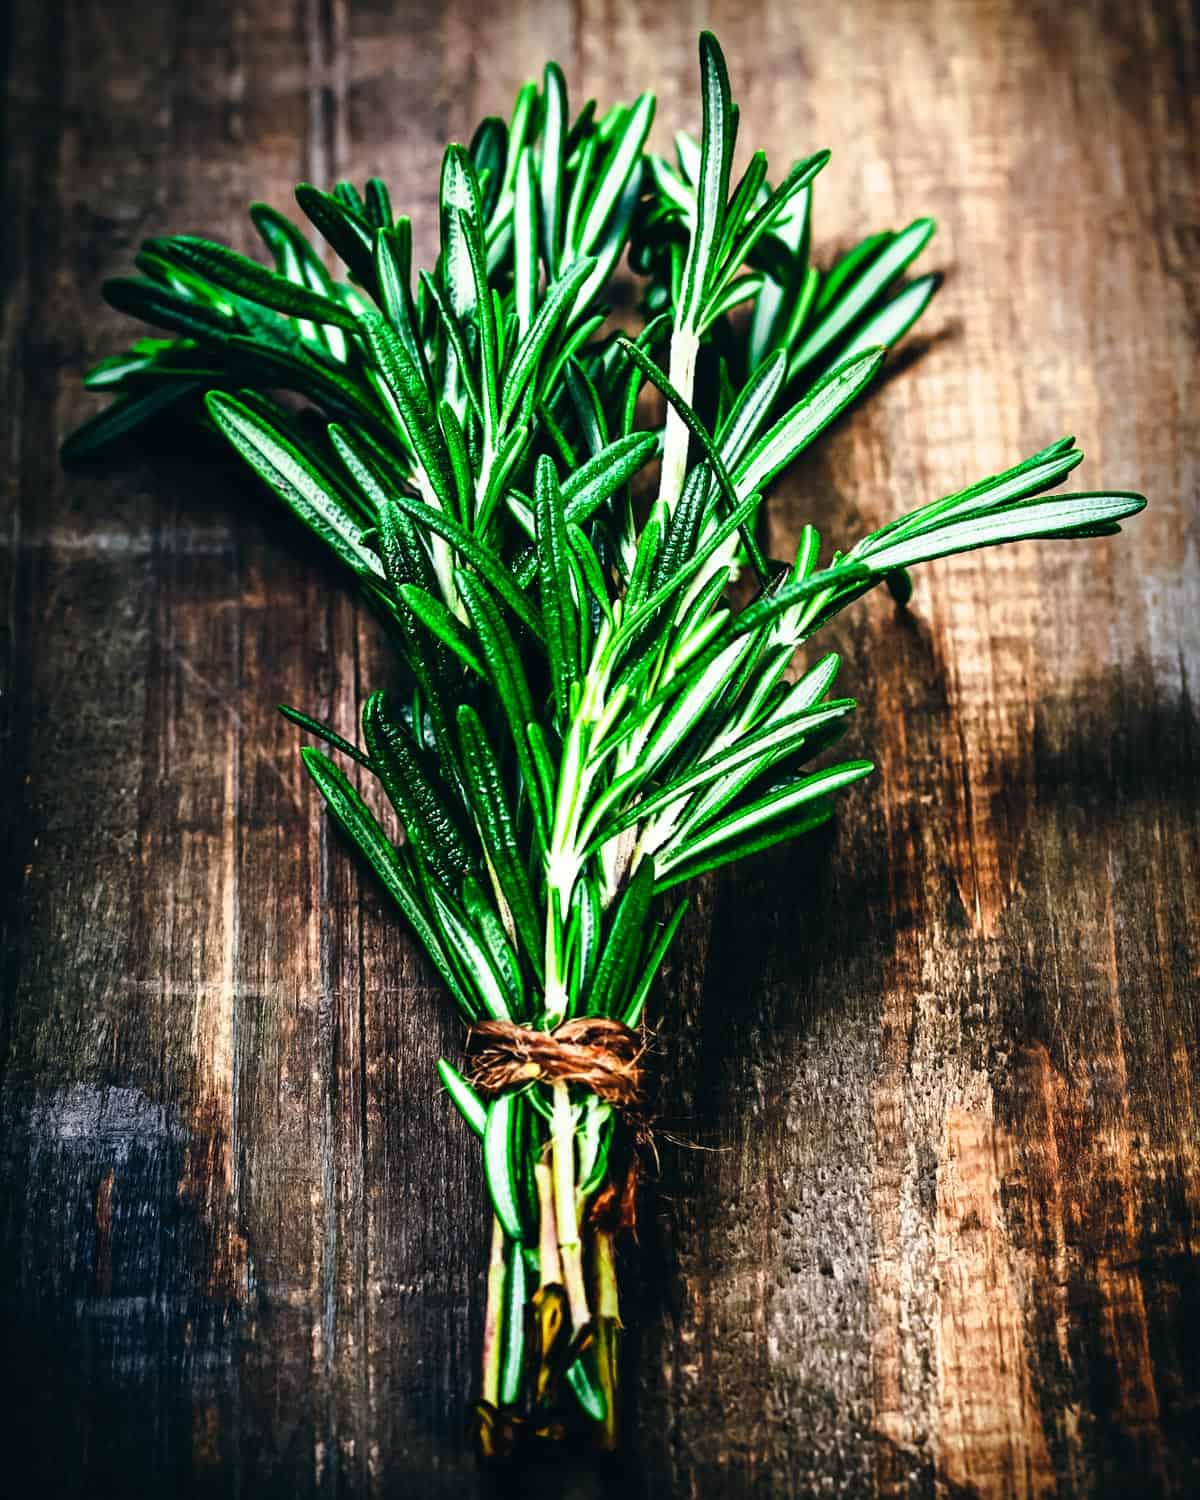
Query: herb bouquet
[580, 720]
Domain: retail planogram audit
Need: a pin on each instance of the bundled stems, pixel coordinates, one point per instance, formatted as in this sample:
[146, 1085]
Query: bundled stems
[580, 720]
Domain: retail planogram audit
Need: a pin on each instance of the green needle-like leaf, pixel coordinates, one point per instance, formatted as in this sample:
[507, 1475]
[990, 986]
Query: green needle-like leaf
[716, 155]
[445, 625]
[124, 417]
[393, 274]
[558, 606]
[416, 408]
[624, 943]
[237, 273]
[556, 305]
[810, 415]
[752, 409]
[324, 732]
[625, 159]
[892, 321]
[768, 809]
[554, 128]
[500, 1164]
[598, 480]
[508, 679]
[476, 960]
[498, 833]
[862, 290]
[636, 1005]
[363, 827]
[168, 309]
[426, 818]
[350, 235]
[295, 480]
[460, 208]
[478, 556]
[468, 1103]
[1059, 517]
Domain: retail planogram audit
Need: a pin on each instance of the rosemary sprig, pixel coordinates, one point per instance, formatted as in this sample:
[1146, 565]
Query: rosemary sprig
[584, 720]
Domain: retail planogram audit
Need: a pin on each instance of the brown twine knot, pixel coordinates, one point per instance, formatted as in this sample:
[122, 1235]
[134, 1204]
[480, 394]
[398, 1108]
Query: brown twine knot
[595, 1052]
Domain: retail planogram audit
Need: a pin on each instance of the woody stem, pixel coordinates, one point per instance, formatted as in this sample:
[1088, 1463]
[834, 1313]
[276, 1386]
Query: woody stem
[492, 1328]
[562, 1148]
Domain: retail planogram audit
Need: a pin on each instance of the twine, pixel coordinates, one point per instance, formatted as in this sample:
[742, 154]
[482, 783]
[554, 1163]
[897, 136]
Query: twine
[595, 1052]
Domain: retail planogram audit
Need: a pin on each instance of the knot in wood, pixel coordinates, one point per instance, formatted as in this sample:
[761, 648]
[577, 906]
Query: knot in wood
[595, 1052]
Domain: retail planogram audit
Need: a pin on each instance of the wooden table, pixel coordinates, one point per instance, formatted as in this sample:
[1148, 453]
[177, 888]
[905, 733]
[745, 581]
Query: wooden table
[934, 1224]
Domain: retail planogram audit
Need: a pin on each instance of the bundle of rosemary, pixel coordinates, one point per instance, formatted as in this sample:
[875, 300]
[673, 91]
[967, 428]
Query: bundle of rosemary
[580, 719]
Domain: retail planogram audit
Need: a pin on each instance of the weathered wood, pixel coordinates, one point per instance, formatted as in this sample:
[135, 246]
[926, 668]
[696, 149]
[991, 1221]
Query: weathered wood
[935, 1229]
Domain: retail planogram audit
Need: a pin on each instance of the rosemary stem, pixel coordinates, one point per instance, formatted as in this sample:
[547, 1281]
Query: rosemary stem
[443, 567]
[493, 1321]
[562, 1139]
[608, 1334]
[556, 995]
[549, 1264]
[562, 859]
[479, 521]
[549, 1300]
[685, 344]
[608, 1301]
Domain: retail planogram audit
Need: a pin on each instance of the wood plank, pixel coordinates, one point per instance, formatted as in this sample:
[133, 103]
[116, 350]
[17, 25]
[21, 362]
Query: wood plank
[933, 1227]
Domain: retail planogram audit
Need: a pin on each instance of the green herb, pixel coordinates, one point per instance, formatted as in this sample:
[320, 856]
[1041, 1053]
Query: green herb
[582, 720]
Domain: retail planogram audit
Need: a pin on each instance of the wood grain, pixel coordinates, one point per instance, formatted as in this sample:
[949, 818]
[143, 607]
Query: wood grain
[935, 1227]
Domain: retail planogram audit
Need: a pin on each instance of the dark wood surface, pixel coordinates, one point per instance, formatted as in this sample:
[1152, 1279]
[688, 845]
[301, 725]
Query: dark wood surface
[936, 1230]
